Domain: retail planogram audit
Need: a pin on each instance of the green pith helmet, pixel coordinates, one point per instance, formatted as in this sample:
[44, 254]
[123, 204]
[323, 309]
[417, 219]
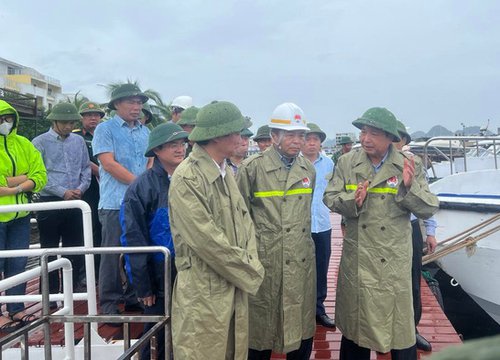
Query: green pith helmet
[188, 116]
[315, 129]
[126, 90]
[91, 107]
[345, 140]
[379, 118]
[64, 112]
[217, 119]
[163, 134]
[246, 132]
[146, 109]
[263, 133]
[403, 132]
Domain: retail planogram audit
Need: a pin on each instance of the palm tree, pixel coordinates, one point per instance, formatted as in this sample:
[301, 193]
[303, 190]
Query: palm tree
[77, 100]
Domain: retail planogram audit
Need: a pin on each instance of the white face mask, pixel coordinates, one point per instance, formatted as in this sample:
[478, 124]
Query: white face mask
[5, 128]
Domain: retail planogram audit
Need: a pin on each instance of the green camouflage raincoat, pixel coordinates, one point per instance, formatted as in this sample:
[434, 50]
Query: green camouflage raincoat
[374, 299]
[283, 311]
[216, 259]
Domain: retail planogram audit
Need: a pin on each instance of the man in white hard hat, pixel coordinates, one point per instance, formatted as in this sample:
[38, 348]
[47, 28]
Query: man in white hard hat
[179, 104]
[277, 186]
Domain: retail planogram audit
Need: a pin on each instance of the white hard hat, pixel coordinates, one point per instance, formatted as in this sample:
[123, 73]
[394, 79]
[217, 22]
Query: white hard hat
[182, 102]
[288, 116]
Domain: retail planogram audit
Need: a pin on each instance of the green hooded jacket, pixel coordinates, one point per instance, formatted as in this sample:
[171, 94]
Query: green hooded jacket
[374, 306]
[216, 259]
[283, 313]
[18, 157]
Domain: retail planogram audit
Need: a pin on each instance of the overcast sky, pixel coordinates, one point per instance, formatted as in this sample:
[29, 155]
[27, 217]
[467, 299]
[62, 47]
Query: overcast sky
[429, 62]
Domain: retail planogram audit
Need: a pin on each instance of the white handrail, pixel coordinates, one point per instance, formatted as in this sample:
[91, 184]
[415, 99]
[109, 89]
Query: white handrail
[65, 265]
[87, 239]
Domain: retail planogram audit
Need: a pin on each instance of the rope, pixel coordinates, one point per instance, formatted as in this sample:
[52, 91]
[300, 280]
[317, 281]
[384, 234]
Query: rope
[464, 239]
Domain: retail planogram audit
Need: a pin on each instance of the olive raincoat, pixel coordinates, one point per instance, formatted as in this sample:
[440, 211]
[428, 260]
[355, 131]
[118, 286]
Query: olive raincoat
[283, 311]
[374, 299]
[216, 259]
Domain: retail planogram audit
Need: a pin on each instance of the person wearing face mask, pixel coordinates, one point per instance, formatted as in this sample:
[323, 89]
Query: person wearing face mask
[277, 186]
[21, 172]
[66, 159]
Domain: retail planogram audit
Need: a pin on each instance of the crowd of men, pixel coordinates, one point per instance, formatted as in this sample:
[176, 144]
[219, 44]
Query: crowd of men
[250, 236]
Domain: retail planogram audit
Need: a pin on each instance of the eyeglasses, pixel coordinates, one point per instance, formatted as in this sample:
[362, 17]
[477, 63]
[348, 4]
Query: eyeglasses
[7, 118]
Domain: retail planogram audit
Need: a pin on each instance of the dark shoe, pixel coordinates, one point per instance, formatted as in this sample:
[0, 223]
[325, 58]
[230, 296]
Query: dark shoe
[325, 320]
[134, 308]
[53, 305]
[423, 344]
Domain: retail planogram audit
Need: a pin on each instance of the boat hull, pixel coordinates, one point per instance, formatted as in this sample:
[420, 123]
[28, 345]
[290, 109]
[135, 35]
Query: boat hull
[466, 200]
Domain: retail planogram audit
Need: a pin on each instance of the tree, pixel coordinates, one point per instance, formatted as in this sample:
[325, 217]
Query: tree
[77, 100]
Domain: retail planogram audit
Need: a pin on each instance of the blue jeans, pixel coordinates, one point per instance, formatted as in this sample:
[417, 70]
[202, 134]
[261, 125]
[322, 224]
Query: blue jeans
[323, 245]
[14, 235]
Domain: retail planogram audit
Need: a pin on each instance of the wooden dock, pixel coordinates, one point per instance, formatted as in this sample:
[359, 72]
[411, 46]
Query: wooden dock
[434, 325]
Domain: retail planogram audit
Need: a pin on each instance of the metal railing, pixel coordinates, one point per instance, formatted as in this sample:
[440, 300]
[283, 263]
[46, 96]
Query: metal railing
[21, 335]
[463, 141]
[90, 320]
[88, 242]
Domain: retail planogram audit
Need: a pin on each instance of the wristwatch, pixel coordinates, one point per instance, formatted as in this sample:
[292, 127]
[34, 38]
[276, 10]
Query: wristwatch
[19, 189]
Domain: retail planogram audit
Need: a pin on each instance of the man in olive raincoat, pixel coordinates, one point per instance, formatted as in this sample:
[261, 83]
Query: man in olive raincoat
[277, 186]
[214, 239]
[376, 188]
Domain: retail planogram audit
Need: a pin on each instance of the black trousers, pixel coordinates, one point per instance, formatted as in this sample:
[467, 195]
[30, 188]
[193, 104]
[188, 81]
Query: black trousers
[416, 269]
[349, 350]
[63, 226]
[322, 244]
[157, 309]
[302, 353]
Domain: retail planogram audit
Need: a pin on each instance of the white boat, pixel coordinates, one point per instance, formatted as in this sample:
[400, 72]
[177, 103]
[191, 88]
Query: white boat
[468, 199]
[459, 154]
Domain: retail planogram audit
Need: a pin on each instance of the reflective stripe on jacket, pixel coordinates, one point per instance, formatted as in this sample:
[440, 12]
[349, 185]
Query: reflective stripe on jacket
[282, 313]
[374, 305]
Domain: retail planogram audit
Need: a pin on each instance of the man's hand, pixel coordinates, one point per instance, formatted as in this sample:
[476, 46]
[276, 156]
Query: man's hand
[360, 194]
[408, 172]
[72, 195]
[148, 300]
[431, 243]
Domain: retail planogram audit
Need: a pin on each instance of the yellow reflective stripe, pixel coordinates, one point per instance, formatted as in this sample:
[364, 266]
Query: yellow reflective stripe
[278, 193]
[299, 191]
[261, 194]
[383, 190]
[373, 190]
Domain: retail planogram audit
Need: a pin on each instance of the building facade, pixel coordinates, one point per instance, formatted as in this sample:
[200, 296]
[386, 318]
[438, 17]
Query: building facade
[28, 81]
